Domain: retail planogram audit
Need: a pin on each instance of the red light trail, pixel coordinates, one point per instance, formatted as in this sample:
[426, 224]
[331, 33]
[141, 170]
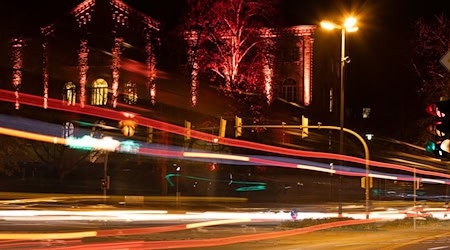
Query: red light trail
[56, 104]
[177, 244]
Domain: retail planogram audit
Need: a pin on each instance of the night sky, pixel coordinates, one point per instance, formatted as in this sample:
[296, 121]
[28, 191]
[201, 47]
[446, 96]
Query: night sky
[379, 74]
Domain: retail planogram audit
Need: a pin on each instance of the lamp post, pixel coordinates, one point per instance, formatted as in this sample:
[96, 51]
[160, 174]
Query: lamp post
[105, 184]
[348, 26]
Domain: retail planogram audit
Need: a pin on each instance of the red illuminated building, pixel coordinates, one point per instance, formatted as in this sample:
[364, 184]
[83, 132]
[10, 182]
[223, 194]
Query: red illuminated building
[105, 53]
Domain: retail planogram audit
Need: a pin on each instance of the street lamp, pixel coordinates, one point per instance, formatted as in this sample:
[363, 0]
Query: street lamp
[347, 26]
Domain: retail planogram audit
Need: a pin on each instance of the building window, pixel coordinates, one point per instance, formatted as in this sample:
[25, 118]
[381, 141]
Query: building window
[68, 129]
[99, 94]
[70, 93]
[291, 54]
[131, 95]
[366, 113]
[289, 90]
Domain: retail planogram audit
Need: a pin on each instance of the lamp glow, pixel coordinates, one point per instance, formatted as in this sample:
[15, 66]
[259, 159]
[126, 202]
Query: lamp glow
[350, 23]
[327, 25]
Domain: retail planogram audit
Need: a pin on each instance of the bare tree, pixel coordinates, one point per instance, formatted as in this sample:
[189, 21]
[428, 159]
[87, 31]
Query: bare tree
[432, 42]
[14, 152]
[226, 43]
[61, 158]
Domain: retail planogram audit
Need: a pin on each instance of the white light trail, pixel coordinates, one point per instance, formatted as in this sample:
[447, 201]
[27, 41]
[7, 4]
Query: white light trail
[432, 180]
[382, 176]
[316, 169]
[216, 156]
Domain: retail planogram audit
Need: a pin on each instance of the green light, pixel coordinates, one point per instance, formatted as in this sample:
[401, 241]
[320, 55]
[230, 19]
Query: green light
[88, 143]
[430, 147]
[170, 181]
[251, 188]
[82, 143]
[129, 146]
[258, 185]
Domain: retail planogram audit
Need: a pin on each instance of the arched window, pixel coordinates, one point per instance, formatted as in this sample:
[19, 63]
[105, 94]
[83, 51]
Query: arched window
[68, 129]
[70, 93]
[99, 94]
[131, 95]
[289, 90]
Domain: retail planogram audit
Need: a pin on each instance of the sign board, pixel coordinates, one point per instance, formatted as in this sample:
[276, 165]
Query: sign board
[445, 60]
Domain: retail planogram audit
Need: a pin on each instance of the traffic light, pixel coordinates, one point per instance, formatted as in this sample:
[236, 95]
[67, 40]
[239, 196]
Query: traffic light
[222, 127]
[187, 125]
[440, 148]
[238, 126]
[128, 127]
[440, 109]
[364, 181]
[440, 128]
[441, 112]
[305, 122]
[150, 134]
[417, 184]
[105, 183]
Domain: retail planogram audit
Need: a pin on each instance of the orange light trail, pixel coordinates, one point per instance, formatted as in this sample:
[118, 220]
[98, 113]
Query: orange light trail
[116, 232]
[32, 136]
[180, 154]
[47, 236]
[56, 104]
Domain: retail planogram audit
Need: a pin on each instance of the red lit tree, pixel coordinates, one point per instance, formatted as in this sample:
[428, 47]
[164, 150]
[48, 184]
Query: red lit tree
[226, 43]
[432, 42]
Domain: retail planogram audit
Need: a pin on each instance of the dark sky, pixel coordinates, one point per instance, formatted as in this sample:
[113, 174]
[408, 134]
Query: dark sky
[379, 73]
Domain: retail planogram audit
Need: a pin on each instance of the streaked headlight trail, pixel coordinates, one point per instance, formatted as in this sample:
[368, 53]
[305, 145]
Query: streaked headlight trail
[27, 99]
[208, 156]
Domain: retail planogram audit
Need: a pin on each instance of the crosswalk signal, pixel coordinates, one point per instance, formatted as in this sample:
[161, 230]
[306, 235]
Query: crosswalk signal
[305, 122]
[222, 127]
[238, 126]
[187, 125]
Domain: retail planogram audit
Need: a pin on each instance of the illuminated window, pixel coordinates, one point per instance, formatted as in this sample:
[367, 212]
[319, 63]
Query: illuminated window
[99, 94]
[366, 113]
[289, 90]
[131, 95]
[70, 93]
[68, 129]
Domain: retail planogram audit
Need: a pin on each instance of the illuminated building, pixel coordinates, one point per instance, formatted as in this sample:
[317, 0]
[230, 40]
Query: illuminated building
[103, 54]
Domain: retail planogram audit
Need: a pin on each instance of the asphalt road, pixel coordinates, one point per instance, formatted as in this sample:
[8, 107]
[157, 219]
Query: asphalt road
[422, 238]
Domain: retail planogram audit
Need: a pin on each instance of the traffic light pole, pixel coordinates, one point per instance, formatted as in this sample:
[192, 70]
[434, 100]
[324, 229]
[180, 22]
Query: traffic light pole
[105, 177]
[363, 142]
